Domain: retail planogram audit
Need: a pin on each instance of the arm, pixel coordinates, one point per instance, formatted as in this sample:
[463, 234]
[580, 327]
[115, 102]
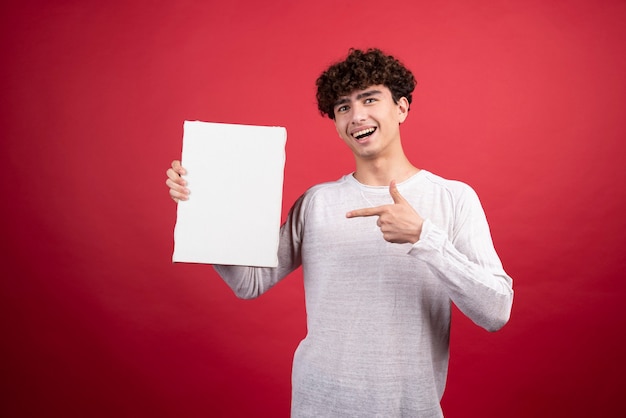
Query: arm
[466, 263]
[251, 282]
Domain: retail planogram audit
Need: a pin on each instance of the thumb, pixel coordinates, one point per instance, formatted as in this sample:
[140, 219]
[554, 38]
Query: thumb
[395, 193]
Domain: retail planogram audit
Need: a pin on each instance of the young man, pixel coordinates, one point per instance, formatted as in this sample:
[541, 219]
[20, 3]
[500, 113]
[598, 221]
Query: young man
[385, 251]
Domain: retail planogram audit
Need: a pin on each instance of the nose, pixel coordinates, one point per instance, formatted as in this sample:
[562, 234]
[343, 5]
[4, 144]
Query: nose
[359, 113]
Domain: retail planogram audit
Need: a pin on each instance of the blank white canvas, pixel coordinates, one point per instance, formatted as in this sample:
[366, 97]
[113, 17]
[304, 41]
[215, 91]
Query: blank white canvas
[235, 177]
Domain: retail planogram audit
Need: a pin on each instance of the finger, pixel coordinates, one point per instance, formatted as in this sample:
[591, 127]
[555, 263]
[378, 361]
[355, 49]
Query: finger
[177, 191]
[395, 193]
[178, 168]
[377, 211]
[175, 177]
[177, 196]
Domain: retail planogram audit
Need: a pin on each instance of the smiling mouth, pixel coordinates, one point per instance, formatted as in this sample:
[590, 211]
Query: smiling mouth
[364, 133]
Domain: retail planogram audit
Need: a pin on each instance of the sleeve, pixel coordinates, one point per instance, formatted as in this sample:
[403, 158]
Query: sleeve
[468, 264]
[251, 282]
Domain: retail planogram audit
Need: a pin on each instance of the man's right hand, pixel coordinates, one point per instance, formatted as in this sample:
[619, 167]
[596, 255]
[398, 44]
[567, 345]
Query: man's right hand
[176, 183]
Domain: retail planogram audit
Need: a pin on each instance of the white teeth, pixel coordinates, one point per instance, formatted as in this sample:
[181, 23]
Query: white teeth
[363, 132]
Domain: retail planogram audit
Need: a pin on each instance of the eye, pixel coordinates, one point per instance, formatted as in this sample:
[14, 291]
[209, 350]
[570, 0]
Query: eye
[369, 100]
[342, 108]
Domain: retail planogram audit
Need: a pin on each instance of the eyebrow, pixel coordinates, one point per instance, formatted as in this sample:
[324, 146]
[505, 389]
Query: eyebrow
[368, 93]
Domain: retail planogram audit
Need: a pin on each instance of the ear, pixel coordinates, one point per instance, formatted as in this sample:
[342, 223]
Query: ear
[403, 109]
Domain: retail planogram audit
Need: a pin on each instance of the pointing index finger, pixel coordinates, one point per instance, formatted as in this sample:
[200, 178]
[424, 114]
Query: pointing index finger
[377, 211]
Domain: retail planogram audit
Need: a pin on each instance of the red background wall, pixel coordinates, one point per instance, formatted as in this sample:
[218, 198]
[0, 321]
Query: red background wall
[524, 101]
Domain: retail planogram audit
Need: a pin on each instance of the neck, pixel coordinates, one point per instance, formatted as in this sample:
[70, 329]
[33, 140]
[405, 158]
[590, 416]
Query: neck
[381, 171]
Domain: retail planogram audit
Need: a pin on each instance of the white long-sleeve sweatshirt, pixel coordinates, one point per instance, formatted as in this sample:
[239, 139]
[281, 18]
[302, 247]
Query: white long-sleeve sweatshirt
[378, 313]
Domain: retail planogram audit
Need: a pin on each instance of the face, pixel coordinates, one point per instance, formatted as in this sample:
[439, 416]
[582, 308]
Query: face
[369, 121]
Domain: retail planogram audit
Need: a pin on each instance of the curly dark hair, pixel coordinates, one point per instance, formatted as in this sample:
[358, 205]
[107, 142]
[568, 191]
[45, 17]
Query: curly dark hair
[358, 71]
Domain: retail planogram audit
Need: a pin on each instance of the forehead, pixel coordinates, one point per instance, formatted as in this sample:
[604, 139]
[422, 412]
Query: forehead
[359, 93]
